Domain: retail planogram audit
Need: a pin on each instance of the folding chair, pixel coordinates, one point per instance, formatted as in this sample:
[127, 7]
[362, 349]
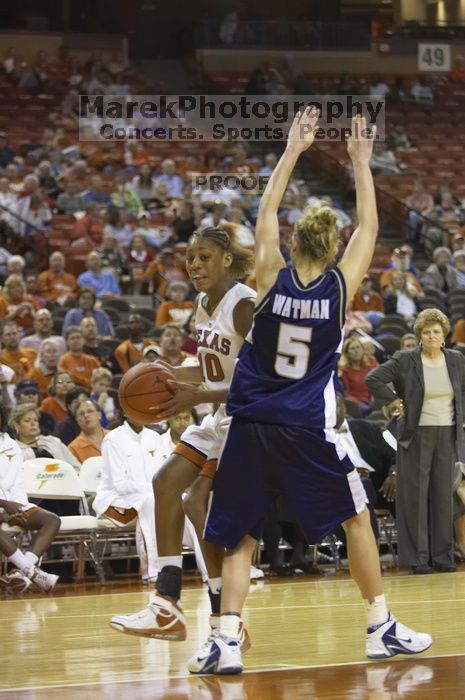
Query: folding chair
[56, 479]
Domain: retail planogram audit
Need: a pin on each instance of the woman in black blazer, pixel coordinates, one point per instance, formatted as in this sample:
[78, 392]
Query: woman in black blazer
[428, 404]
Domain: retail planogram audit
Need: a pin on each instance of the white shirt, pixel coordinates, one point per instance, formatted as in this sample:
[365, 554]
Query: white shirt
[130, 460]
[345, 440]
[12, 485]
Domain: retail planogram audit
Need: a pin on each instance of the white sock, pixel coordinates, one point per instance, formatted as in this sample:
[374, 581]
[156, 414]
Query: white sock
[376, 611]
[229, 624]
[31, 557]
[214, 584]
[20, 560]
[170, 561]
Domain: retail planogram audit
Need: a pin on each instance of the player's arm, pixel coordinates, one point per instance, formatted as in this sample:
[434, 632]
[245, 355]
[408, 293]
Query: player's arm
[243, 316]
[359, 252]
[268, 257]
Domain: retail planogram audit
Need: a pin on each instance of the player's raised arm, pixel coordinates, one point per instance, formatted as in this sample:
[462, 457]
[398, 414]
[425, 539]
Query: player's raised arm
[268, 258]
[359, 252]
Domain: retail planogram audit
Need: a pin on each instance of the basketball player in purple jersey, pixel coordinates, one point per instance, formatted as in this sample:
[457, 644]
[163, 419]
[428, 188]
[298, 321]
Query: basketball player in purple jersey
[282, 400]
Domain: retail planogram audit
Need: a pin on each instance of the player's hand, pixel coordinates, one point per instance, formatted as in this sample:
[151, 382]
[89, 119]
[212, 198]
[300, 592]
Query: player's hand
[360, 142]
[302, 132]
[11, 507]
[388, 488]
[186, 397]
[18, 519]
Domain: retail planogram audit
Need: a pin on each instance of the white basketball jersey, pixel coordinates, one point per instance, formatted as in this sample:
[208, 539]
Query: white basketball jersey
[218, 343]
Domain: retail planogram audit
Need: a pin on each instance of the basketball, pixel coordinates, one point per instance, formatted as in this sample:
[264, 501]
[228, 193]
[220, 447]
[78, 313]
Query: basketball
[142, 389]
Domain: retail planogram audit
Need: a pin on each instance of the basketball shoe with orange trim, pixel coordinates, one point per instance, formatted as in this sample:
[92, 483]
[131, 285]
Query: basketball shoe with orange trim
[160, 619]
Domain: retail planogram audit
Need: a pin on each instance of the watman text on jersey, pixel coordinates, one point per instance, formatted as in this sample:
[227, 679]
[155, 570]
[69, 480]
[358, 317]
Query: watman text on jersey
[287, 369]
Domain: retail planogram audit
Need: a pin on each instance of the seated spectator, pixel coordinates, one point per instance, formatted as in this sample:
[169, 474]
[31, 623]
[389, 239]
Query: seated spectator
[171, 342]
[7, 201]
[421, 204]
[24, 421]
[77, 363]
[100, 383]
[130, 460]
[104, 283]
[129, 352]
[15, 304]
[243, 232]
[440, 274]
[400, 91]
[70, 201]
[55, 284]
[45, 365]
[216, 217]
[27, 391]
[155, 236]
[47, 182]
[173, 182]
[68, 429]
[458, 261]
[177, 309]
[448, 218]
[383, 161]
[399, 140]
[400, 260]
[143, 184]
[31, 207]
[16, 265]
[55, 404]
[113, 258]
[139, 258]
[124, 197]
[377, 87]
[43, 326]
[20, 360]
[89, 228]
[89, 441]
[15, 509]
[7, 154]
[165, 269]
[30, 281]
[400, 296]
[354, 365]
[95, 194]
[445, 191]
[118, 227]
[421, 91]
[7, 386]
[408, 342]
[185, 220]
[86, 309]
[190, 336]
[298, 206]
[368, 301]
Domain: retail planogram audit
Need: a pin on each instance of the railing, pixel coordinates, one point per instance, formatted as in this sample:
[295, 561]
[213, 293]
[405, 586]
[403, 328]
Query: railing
[423, 30]
[283, 35]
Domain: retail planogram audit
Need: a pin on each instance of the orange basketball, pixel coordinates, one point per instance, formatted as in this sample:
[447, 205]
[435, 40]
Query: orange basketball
[142, 389]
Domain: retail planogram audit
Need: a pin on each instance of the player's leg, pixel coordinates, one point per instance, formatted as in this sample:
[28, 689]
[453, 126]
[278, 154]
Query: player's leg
[385, 636]
[45, 526]
[163, 617]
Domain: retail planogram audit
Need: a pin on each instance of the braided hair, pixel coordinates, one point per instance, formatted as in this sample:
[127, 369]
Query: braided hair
[225, 237]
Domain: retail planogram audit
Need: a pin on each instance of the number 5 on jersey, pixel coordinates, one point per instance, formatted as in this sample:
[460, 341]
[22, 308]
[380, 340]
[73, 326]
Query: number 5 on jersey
[293, 351]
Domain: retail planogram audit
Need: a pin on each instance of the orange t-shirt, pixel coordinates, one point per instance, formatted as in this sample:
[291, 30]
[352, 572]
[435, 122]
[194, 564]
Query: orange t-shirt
[80, 367]
[43, 380]
[174, 312]
[375, 302]
[127, 355]
[458, 335]
[53, 286]
[83, 448]
[20, 361]
[26, 318]
[51, 405]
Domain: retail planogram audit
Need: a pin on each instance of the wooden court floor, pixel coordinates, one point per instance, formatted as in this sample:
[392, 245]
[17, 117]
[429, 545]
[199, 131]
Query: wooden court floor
[307, 635]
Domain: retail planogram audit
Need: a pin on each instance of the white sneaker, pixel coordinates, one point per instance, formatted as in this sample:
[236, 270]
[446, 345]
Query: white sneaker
[16, 582]
[161, 619]
[393, 638]
[223, 656]
[41, 579]
[255, 573]
[200, 662]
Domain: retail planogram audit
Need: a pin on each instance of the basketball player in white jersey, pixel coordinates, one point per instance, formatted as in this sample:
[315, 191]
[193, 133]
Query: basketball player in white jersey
[224, 313]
